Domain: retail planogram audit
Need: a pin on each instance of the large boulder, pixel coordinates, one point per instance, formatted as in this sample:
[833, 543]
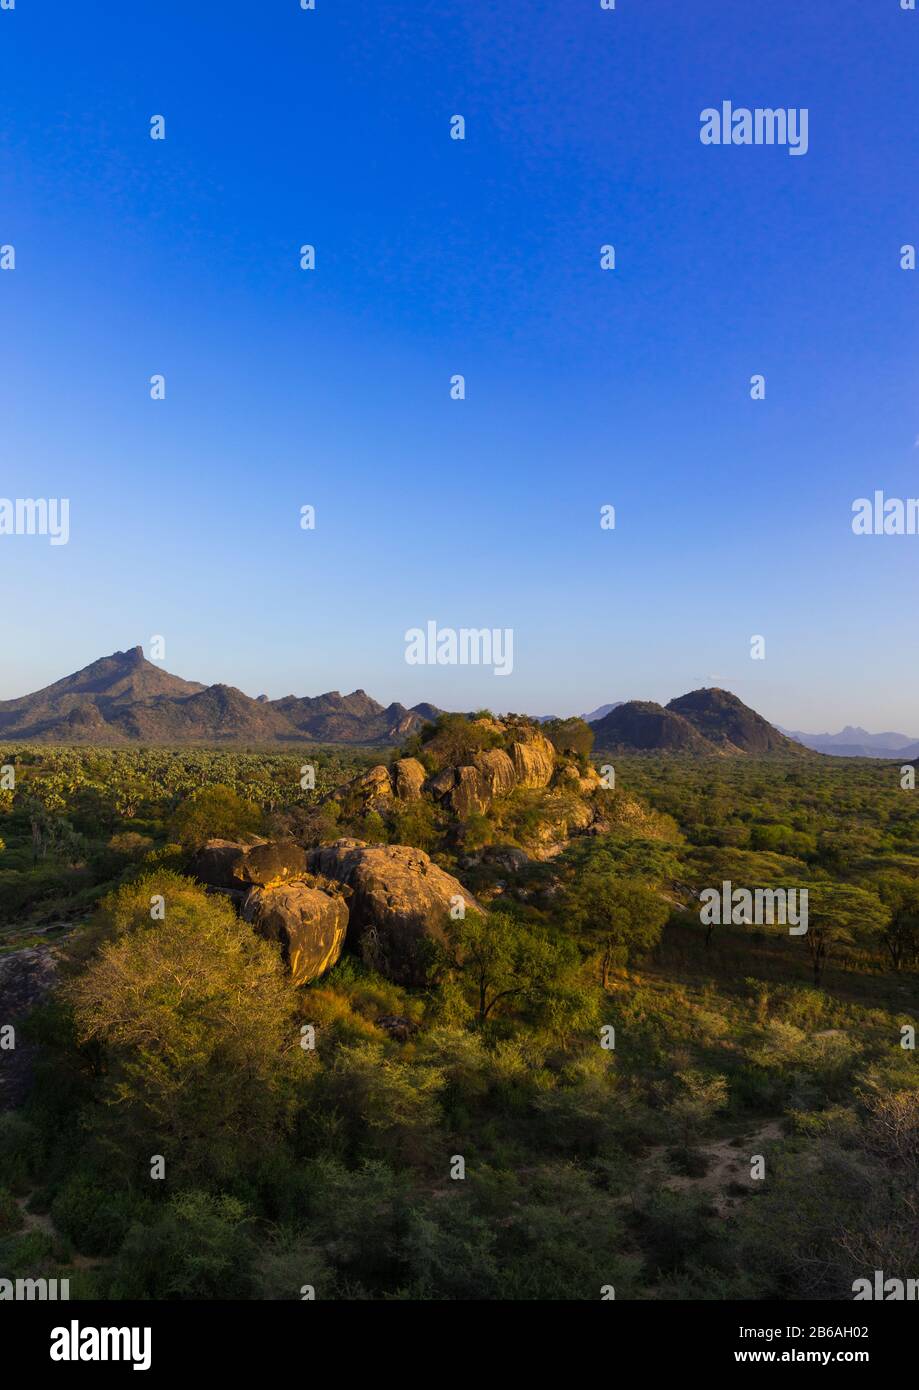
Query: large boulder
[442, 782]
[509, 857]
[563, 815]
[400, 906]
[497, 772]
[238, 864]
[279, 862]
[408, 778]
[216, 862]
[334, 861]
[570, 777]
[375, 785]
[309, 924]
[371, 791]
[534, 761]
[469, 794]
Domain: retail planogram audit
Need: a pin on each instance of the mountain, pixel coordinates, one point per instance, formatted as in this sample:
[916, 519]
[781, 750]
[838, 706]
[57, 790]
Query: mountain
[639, 725]
[704, 721]
[601, 712]
[123, 698]
[729, 724]
[855, 742]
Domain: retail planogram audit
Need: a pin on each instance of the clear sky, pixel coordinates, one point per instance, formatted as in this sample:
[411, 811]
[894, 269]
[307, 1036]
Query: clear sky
[435, 256]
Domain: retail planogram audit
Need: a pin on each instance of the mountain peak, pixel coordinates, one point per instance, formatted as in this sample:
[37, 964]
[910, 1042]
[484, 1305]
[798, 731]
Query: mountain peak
[123, 697]
[728, 724]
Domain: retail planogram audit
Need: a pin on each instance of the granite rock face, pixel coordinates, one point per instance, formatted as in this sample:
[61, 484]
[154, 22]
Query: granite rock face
[400, 906]
[309, 924]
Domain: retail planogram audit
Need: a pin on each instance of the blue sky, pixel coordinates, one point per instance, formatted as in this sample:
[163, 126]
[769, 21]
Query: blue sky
[481, 257]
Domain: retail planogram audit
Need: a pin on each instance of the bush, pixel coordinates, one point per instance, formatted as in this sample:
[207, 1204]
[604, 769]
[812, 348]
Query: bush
[95, 1218]
[200, 1247]
[10, 1214]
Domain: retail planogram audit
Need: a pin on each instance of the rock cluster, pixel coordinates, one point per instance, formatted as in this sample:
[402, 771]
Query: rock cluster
[464, 789]
[391, 902]
[276, 892]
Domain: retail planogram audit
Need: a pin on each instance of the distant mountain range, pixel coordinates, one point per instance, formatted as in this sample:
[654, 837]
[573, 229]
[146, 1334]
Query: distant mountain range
[123, 698]
[854, 742]
[601, 712]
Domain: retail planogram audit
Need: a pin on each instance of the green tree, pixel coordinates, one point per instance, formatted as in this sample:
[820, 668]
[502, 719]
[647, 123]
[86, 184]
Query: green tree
[195, 1014]
[900, 895]
[572, 737]
[413, 824]
[502, 961]
[214, 812]
[616, 916]
[837, 915]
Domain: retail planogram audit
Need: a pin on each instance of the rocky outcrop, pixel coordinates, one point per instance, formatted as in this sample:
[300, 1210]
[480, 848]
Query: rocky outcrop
[491, 775]
[564, 817]
[508, 857]
[374, 786]
[271, 883]
[441, 783]
[400, 905]
[534, 761]
[571, 778]
[408, 777]
[26, 977]
[308, 923]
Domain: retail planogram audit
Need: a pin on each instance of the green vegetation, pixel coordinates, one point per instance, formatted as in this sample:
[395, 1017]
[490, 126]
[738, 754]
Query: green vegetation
[586, 1164]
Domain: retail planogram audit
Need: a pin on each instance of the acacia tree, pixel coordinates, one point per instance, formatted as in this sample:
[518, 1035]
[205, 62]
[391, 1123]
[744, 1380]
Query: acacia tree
[900, 896]
[616, 915]
[573, 737]
[196, 1017]
[501, 960]
[837, 916]
[214, 812]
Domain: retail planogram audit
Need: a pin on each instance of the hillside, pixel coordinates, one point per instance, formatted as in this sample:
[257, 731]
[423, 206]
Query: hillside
[708, 721]
[642, 726]
[123, 698]
[729, 724]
